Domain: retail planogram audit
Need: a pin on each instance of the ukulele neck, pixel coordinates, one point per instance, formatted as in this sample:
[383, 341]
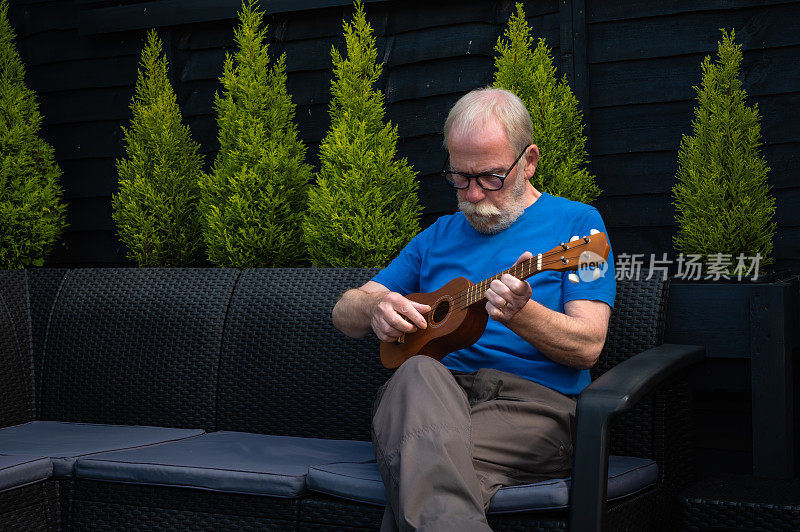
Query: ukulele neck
[564, 257]
[475, 294]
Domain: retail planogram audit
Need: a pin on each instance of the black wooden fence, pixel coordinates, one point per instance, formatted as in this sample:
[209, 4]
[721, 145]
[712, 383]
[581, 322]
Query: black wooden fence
[631, 63]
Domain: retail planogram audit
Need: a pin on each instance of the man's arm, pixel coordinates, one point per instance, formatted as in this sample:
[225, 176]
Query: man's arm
[374, 307]
[573, 338]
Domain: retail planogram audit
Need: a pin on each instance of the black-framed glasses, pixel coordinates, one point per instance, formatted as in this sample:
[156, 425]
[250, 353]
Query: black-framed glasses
[460, 180]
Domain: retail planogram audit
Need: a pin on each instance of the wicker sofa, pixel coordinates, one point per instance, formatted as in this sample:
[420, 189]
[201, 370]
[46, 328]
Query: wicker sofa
[172, 399]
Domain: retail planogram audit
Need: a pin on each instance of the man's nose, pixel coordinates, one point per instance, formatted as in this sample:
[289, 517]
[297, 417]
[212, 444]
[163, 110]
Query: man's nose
[474, 193]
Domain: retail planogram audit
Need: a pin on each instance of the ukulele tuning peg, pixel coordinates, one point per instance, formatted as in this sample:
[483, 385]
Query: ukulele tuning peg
[573, 278]
[574, 238]
[593, 232]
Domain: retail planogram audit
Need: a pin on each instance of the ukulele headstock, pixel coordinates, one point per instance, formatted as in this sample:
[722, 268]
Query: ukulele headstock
[580, 252]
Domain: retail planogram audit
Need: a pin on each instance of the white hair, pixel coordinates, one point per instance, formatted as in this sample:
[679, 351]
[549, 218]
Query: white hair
[480, 107]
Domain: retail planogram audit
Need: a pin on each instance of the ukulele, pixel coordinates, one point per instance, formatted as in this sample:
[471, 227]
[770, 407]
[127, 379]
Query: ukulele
[458, 314]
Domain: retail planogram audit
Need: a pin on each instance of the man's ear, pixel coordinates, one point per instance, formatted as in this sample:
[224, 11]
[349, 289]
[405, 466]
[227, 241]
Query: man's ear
[531, 160]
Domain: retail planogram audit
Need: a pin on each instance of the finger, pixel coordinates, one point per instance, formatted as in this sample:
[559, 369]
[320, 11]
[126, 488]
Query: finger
[391, 310]
[516, 286]
[399, 323]
[415, 312]
[525, 256]
[495, 313]
[421, 307]
[501, 289]
[392, 329]
[495, 300]
[380, 327]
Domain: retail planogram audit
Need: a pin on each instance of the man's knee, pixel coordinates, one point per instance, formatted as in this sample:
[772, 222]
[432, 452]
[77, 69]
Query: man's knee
[419, 384]
[419, 377]
[420, 366]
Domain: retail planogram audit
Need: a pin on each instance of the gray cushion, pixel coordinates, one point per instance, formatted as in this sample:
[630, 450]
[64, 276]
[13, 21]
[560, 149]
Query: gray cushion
[226, 461]
[64, 442]
[17, 471]
[362, 482]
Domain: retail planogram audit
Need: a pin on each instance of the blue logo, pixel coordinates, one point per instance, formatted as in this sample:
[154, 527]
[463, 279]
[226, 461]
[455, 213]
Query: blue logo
[591, 266]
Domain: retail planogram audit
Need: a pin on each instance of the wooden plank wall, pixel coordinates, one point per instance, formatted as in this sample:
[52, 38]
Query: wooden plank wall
[433, 53]
[644, 58]
[632, 63]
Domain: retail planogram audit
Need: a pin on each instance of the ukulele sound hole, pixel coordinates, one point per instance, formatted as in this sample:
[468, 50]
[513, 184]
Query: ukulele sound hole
[440, 312]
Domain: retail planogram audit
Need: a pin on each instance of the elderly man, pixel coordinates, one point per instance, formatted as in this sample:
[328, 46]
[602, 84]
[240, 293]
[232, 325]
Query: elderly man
[447, 435]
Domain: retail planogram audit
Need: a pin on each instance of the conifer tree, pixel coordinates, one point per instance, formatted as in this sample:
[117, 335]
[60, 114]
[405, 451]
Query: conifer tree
[255, 197]
[364, 208]
[156, 208]
[32, 216]
[722, 199]
[557, 122]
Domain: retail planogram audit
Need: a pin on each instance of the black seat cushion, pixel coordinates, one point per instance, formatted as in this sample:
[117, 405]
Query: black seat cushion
[64, 442]
[225, 461]
[22, 470]
[362, 482]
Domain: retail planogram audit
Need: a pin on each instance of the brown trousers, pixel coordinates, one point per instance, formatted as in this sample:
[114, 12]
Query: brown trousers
[445, 442]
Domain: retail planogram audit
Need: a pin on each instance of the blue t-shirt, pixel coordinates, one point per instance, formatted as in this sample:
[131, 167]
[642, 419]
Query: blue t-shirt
[451, 248]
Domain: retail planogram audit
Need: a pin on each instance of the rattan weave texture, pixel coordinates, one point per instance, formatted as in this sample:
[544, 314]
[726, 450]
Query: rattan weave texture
[328, 513]
[30, 508]
[114, 506]
[136, 346]
[14, 291]
[285, 369]
[741, 502]
[43, 286]
[636, 324]
[16, 373]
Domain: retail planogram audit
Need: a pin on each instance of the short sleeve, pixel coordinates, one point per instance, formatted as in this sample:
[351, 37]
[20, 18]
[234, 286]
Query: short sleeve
[402, 274]
[603, 288]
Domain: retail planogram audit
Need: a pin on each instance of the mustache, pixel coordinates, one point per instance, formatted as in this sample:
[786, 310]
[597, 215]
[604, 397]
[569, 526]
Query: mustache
[482, 208]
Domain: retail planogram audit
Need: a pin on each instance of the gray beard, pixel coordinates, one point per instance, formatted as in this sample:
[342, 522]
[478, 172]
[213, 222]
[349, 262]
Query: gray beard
[488, 219]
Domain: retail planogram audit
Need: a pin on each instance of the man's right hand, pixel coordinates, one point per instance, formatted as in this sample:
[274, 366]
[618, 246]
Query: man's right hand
[373, 307]
[394, 315]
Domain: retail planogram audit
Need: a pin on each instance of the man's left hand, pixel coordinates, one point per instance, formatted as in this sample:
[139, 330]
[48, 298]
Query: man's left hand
[506, 296]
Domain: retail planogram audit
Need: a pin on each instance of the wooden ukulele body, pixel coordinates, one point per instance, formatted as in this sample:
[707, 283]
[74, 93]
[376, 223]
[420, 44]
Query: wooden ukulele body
[451, 325]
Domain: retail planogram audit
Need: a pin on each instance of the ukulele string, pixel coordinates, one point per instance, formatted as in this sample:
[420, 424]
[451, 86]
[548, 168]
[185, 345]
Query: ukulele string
[463, 295]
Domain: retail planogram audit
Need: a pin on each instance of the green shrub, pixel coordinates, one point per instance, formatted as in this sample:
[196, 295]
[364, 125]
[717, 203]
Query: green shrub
[722, 200]
[364, 209]
[156, 208]
[32, 216]
[255, 197]
[557, 121]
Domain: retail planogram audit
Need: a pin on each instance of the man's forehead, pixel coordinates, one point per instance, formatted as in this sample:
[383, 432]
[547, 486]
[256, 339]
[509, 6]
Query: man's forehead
[478, 133]
[480, 151]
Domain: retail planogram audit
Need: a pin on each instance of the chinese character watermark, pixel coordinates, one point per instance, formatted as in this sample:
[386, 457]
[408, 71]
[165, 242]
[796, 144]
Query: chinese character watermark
[688, 267]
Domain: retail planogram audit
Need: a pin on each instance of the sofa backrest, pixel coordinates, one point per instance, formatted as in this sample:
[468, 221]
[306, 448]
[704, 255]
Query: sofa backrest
[636, 324]
[16, 376]
[43, 287]
[135, 346]
[220, 349]
[637, 321]
[285, 369]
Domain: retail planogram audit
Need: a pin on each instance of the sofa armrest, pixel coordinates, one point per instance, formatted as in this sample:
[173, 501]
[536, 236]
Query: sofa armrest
[613, 393]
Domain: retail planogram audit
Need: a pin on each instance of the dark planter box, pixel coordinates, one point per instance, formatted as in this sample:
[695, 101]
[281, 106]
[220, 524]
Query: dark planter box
[756, 321]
